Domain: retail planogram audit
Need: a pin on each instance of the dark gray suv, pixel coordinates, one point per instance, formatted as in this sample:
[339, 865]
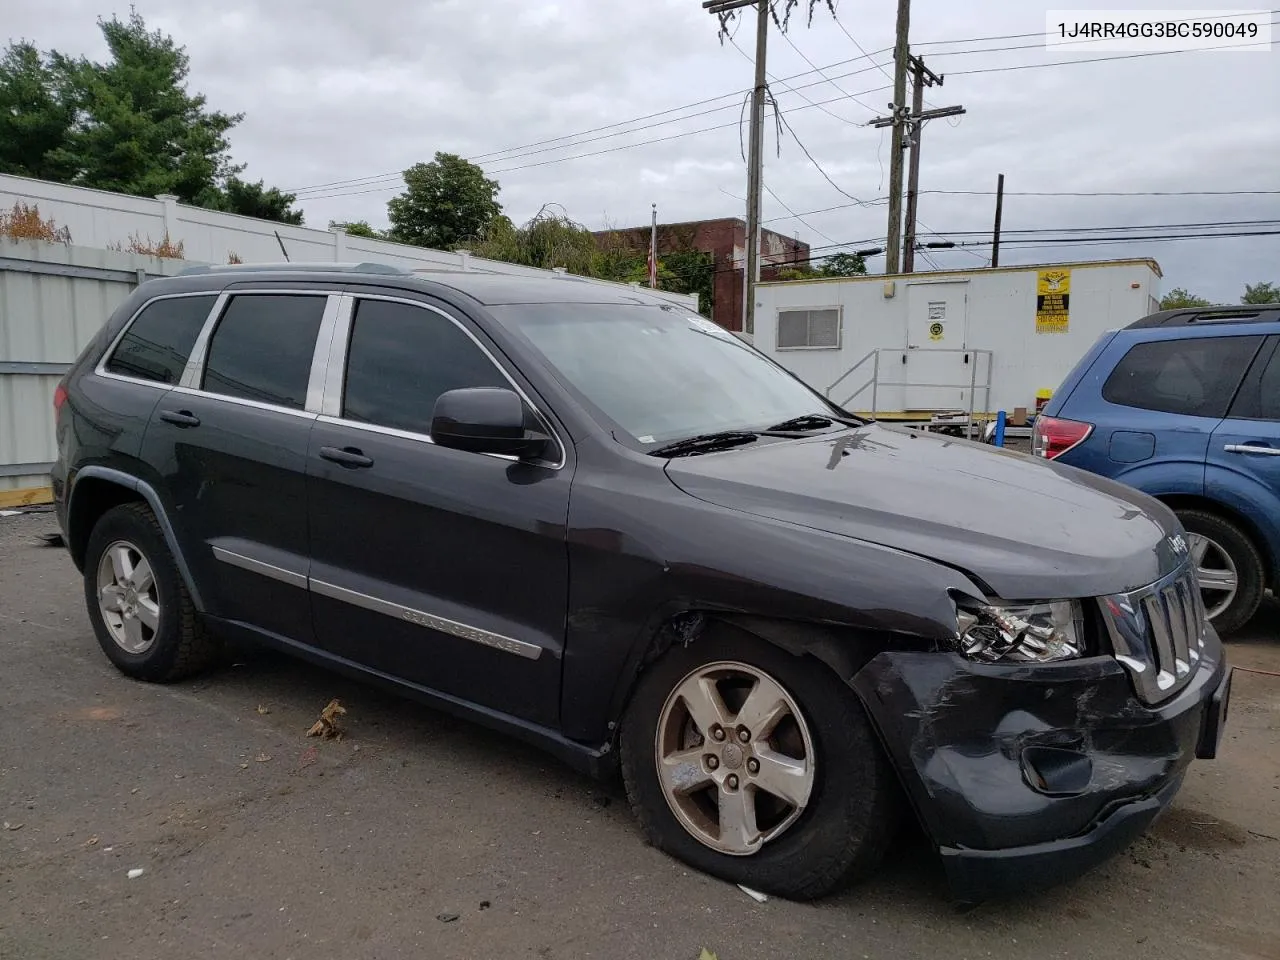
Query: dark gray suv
[577, 513]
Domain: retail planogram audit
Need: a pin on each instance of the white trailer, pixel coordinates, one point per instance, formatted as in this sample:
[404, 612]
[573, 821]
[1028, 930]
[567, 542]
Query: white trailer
[913, 346]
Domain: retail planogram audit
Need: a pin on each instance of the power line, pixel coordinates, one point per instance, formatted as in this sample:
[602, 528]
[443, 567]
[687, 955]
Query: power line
[795, 215]
[805, 58]
[370, 180]
[491, 155]
[815, 163]
[1053, 193]
[787, 89]
[845, 31]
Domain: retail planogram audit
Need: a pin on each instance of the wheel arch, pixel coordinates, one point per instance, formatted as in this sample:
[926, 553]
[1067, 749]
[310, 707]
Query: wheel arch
[94, 491]
[844, 650]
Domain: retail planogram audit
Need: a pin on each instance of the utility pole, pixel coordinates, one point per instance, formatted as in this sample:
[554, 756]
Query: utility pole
[995, 242]
[922, 77]
[913, 120]
[898, 109]
[755, 158]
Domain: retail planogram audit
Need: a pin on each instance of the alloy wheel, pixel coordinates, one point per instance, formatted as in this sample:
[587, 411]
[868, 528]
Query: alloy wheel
[128, 597]
[734, 756]
[1216, 573]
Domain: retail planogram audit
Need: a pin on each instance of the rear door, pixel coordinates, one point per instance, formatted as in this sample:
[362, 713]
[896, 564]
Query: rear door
[231, 446]
[445, 568]
[1244, 452]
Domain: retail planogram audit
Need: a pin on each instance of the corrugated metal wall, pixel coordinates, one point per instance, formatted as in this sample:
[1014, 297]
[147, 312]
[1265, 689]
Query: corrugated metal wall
[53, 299]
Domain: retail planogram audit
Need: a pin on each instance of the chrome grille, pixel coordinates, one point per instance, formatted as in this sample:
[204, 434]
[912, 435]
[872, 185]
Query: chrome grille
[1158, 633]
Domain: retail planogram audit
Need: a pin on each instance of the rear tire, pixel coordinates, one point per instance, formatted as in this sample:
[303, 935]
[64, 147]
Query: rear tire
[850, 805]
[138, 604]
[1226, 549]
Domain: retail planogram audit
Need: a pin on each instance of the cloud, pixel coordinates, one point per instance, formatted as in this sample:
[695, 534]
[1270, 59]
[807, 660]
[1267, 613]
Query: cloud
[334, 90]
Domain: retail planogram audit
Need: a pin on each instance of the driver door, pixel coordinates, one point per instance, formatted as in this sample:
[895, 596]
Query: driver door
[441, 567]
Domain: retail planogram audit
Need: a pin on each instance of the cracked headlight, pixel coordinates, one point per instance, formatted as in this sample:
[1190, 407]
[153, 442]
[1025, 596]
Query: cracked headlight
[1021, 633]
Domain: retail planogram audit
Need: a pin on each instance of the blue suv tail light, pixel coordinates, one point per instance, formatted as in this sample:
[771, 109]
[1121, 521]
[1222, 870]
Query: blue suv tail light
[1054, 436]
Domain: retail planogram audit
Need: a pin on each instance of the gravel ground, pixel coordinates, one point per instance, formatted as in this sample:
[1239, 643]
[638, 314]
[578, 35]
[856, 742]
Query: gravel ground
[422, 836]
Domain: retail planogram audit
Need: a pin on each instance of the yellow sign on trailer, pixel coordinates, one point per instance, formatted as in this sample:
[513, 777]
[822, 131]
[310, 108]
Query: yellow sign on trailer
[1053, 300]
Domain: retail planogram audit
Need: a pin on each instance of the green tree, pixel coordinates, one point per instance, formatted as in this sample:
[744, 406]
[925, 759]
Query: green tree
[357, 228]
[137, 129]
[547, 240]
[35, 117]
[842, 265]
[1179, 297]
[129, 124]
[445, 203]
[1261, 293]
[253, 200]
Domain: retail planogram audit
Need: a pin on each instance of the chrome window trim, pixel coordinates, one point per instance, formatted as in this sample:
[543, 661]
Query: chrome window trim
[487, 638]
[100, 368]
[335, 372]
[320, 355]
[335, 382]
[193, 377]
[245, 402]
[261, 567]
[195, 363]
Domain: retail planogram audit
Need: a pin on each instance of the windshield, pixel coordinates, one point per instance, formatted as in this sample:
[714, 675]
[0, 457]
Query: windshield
[661, 374]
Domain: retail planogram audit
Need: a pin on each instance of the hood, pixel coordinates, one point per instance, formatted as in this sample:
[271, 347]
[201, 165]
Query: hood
[1026, 527]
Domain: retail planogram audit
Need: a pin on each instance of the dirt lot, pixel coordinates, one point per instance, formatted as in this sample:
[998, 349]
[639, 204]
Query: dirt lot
[422, 836]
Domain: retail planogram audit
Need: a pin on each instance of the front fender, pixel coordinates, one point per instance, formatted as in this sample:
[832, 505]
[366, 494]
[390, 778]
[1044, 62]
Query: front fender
[636, 561]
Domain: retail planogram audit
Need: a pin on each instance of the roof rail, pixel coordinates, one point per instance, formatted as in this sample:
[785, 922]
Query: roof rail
[287, 267]
[1260, 313]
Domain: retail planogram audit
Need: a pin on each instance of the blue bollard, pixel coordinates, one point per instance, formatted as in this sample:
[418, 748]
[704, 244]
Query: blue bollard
[998, 440]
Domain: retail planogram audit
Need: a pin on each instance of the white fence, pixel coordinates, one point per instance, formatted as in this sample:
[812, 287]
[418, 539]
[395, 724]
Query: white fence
[97, 218]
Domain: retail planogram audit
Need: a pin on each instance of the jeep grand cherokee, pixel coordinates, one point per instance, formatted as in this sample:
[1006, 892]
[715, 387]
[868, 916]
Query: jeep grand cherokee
[578, 513]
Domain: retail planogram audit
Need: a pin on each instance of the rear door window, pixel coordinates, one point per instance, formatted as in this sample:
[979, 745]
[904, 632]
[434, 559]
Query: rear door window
[1197, 376]
[1259, 396]
[262, 348]
[159, 341]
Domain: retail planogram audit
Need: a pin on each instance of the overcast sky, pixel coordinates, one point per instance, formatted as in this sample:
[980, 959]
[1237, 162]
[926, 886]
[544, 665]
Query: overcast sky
[335, 90]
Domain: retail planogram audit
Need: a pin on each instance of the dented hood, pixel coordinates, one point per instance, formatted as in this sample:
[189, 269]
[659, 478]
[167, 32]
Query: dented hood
[1026, 527]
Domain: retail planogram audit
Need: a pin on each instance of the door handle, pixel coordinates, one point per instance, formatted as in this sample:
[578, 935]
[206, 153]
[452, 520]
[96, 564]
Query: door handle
[350, 457]
[180, 418]
[1252, 448]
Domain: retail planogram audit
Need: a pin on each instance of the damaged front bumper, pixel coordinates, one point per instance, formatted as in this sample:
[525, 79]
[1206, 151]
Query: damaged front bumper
[1027, 775]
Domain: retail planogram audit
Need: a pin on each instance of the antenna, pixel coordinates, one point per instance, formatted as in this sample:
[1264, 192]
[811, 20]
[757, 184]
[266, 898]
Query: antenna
[281, 242]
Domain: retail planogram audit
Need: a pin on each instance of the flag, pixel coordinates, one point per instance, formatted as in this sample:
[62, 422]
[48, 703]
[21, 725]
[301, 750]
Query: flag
[653, 251]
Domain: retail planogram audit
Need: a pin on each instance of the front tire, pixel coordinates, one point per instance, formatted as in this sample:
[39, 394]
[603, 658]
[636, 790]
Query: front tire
[757, 767]
[138, 604]
[1228, 566]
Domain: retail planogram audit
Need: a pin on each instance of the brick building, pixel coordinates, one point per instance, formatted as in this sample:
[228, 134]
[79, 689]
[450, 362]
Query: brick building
[726, 241]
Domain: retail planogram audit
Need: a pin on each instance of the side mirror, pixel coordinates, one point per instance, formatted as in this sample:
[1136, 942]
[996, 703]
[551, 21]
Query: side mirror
[484, 420]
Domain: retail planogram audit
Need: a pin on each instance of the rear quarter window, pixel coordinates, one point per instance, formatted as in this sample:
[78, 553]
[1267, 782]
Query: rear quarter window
[159, 341]
[1196, 376]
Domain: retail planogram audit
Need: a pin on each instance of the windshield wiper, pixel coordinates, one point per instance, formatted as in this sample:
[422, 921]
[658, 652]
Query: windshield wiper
[705, 443]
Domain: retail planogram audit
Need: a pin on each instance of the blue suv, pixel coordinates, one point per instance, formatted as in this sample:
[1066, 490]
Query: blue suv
[1184, 405]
